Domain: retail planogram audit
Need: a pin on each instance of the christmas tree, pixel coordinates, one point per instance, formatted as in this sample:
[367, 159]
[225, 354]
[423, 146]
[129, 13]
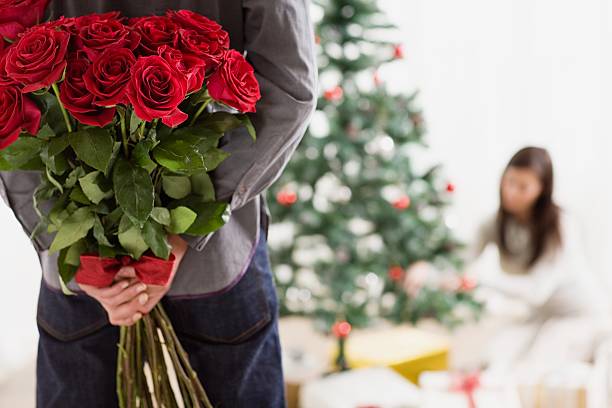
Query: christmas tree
[354, 214]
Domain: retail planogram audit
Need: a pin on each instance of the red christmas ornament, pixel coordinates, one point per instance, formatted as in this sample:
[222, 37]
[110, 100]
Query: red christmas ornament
[450, 187]
[398, 51]
[396, 273]
[341, 329]
[286, 198]
[467, 284]
[334, 94]
[402, 203]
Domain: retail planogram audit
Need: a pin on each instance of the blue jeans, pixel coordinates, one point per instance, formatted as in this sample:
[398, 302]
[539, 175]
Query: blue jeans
[232, 341]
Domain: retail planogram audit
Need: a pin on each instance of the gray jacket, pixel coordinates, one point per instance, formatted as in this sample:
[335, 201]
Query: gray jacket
[279, 40]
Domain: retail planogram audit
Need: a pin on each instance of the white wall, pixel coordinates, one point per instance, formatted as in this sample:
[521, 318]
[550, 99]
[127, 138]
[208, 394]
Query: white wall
[19, 282]
[496, 75]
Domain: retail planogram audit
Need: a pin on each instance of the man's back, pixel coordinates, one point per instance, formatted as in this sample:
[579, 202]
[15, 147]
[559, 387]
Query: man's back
[278, 39]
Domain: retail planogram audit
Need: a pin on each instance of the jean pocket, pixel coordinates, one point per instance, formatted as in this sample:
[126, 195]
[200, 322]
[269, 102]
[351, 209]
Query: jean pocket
[68, 318]
[230, 317]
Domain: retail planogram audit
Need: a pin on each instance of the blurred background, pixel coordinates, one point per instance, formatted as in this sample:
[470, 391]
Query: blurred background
[375, 215]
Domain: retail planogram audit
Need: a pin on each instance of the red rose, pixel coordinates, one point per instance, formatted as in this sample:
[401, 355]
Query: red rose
[83, 21]
[154, 32]
[17, 15]
[5, 80]
[192, 42]
[156, 89]
[17, 112]
[234, 83]
[108, 76]
[77, 99]
[203, 25]
[201, 36]
[38, 59]
[101, 34]
[63, 23]
[192, 67]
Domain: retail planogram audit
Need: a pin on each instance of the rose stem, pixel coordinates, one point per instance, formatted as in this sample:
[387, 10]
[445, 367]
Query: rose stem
[182, 376]
[127, 369]
[139, 388]
[153, 125]
[124, 134]
[120, 357]
[185, 357]
[165, 380]
[172, 349]
[199, 112]
[154, 356]
[66, 118]
[141, 130]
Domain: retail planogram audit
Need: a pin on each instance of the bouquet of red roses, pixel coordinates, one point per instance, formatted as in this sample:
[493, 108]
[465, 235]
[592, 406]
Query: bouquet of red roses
[119, 116]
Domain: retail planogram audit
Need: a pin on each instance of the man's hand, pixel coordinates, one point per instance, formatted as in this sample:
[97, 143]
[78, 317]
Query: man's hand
[127, 299]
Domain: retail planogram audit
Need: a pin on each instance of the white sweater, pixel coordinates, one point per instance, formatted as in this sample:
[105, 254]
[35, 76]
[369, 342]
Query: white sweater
[560, 283]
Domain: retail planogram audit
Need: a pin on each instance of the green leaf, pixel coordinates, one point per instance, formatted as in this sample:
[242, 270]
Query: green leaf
[199, 97]
[181, 219]
[161, 215]
[79, 196]
[22, 151]
[211, 217]
[66, 270]
[75, 227]
[74, 176]
[73, 254]
[176, 186]
[130, 238]
[99, 234]
[221, 121]
[57, 145]
[91, 187]
[213, 158]
[186, 151]
[141, 154]
[53, 181]
[45, 132]
[155, 237]
[246, 122]
[58, 164]
[114, 217]
[52, 114]
[135, 121]
[94, 146]
[107, 252]
[34, 164]
[134, 190]
[202, 185]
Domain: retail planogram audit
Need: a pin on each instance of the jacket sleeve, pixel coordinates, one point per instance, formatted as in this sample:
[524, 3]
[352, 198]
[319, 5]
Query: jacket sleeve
[279, 42]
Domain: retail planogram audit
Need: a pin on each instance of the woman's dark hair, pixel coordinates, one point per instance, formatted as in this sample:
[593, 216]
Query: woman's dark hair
[544, 222]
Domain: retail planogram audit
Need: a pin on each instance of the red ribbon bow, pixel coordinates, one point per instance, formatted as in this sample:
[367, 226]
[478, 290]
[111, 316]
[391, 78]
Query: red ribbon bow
[100, 272]
[468, 384]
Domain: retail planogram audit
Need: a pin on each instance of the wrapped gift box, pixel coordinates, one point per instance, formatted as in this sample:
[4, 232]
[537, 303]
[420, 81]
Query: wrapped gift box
[304, 355]
[443, 390]
[565, 386]
[407, 350]
[378, 387]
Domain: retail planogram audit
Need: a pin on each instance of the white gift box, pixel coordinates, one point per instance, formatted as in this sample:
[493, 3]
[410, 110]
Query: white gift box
[492, 392]
[379, 387]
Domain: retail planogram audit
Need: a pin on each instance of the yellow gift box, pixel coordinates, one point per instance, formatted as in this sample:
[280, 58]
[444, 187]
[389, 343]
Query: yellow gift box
[407, 350]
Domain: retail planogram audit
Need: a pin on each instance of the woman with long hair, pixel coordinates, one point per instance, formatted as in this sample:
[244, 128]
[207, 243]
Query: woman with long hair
[542, 267]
